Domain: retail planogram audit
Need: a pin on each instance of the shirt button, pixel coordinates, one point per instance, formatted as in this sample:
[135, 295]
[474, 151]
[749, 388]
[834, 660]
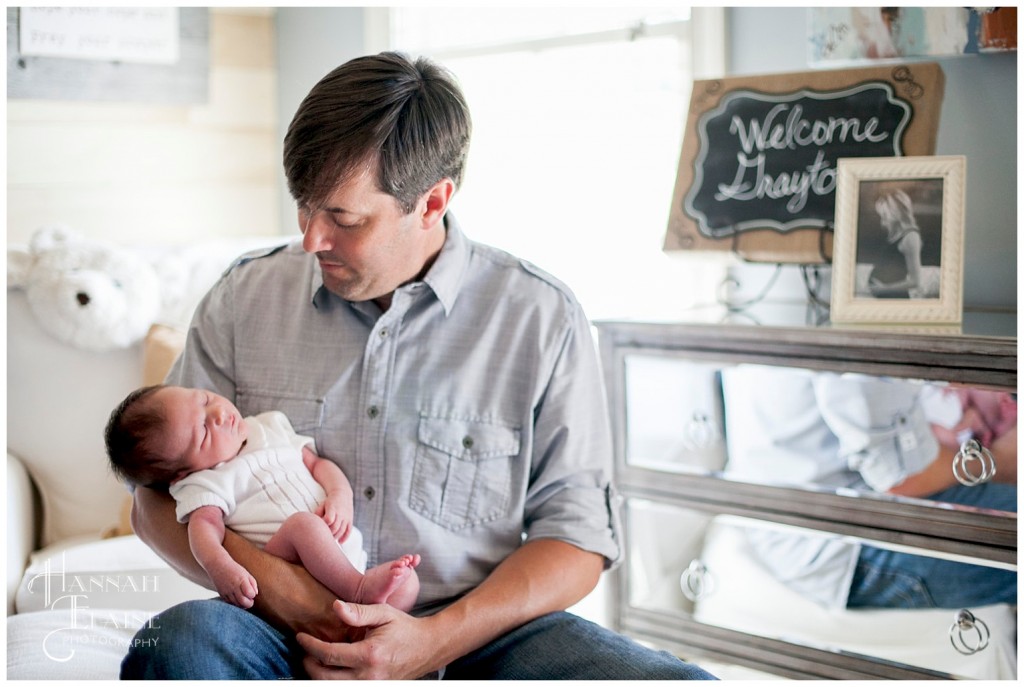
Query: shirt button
[369, 493]
[384, 333]
[373, 412]
[467, 442]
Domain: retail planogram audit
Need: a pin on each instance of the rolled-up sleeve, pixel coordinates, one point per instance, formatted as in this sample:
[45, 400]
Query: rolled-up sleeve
[881, 426]
[570, 496]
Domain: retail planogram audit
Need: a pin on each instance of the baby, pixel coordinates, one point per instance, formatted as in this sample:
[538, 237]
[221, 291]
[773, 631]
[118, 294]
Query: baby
[258, 477]
[959, 413]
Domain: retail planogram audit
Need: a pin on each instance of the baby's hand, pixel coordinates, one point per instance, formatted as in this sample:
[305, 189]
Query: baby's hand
[336, 511]
[234, 584]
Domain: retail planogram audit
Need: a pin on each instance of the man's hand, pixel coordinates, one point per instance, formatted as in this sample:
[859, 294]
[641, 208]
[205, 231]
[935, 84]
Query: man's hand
[541, 576]
[396, 646]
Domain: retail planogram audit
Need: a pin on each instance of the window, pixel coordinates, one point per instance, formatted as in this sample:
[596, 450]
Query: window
[578, 116]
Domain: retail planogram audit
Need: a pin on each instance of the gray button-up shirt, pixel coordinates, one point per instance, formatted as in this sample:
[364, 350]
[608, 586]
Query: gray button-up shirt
[469, 417]
[801, 427]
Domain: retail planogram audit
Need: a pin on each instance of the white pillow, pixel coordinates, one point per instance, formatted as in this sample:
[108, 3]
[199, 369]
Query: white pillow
[65, 645]
[118, 573]
[58, 402]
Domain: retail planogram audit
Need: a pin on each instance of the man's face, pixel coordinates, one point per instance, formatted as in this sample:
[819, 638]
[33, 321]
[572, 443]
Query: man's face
[366, 246]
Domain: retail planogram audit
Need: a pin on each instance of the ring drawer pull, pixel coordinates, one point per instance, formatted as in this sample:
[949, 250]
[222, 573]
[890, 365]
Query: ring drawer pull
[701, 432]
[968, 634]
[696, 582]
[971, 452]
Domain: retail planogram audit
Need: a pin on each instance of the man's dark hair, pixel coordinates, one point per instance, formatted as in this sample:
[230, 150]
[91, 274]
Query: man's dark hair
[409, 118]
[132, 436]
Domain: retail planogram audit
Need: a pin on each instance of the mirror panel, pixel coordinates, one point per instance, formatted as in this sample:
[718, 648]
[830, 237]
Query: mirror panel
[674, 414]
[819, 430]
[791, 584]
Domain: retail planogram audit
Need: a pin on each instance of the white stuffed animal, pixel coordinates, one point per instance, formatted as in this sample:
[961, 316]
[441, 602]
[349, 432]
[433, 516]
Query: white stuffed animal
[92, 295]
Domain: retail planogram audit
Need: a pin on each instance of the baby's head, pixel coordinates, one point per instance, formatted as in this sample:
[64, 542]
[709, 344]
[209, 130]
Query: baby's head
[159, 434]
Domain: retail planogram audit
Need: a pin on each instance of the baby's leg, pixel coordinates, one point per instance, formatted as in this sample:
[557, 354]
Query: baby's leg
[305, 538]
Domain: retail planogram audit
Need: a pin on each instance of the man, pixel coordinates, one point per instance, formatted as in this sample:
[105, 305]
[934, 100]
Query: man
[867, 434]
[457, 387]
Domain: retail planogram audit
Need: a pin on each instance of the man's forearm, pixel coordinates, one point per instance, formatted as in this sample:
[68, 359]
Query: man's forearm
[541, 577]
[933, 479]
[289, 597]
[154, 522]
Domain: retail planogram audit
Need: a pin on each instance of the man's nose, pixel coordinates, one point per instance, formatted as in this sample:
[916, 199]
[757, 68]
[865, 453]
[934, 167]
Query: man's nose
[316, 234]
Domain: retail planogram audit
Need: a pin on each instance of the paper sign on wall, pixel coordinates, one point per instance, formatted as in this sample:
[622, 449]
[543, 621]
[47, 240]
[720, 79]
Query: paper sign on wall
[146, 35]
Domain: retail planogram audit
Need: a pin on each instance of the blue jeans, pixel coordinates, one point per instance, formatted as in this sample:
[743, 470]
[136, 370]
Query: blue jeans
[210, 640]
[891, 579]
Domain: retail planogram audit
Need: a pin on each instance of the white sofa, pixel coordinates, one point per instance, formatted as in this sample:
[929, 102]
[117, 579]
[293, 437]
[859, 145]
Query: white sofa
[75, 593]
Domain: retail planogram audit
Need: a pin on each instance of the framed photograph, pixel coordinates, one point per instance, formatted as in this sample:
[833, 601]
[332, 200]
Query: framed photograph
[899, 240]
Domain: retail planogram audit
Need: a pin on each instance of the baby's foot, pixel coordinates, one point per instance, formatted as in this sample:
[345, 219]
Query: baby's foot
[380, 582]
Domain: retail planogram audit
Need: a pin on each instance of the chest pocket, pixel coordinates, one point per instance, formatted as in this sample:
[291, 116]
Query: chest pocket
[463, 471]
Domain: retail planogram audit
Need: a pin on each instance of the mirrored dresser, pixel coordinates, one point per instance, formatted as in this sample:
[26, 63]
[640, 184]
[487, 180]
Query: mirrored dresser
[702, 524]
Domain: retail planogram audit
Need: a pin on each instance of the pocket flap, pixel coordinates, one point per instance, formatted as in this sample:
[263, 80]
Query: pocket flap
[305, 414]
[469, 439]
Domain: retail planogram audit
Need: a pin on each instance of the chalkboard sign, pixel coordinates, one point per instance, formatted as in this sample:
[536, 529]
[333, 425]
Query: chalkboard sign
[757, 173]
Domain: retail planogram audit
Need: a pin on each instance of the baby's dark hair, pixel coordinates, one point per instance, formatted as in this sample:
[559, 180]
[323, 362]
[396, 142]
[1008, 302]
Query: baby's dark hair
[132, 438]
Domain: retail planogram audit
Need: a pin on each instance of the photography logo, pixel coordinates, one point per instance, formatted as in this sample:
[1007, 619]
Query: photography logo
[71, 593]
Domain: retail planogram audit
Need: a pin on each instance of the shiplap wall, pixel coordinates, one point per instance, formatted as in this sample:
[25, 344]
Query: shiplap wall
[157, 174]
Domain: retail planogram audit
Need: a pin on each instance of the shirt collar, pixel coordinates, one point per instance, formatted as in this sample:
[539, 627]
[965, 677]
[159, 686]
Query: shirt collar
[444, 277]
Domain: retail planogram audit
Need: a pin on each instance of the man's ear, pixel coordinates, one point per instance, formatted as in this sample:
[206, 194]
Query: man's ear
[435, 202]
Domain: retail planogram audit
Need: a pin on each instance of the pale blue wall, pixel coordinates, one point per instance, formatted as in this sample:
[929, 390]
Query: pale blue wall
[978, 119]
[311, 41]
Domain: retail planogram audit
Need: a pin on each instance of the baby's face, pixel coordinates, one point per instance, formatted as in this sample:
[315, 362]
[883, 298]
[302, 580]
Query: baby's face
[203, 427]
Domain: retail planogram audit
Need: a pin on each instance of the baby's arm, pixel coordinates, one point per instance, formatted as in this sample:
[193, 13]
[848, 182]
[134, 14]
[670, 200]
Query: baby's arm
[337, 508]
[206, 539]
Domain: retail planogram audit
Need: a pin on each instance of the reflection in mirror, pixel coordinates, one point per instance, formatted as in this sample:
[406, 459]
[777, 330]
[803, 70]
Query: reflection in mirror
[896, 436]
[663, 541]
[822, 430]
[674, 550]
[673, 414]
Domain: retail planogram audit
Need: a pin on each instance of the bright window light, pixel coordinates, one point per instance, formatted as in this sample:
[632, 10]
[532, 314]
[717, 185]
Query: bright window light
[578, 116]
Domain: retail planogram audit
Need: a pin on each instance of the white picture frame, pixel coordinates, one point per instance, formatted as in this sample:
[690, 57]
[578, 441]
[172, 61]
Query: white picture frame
[881, 272]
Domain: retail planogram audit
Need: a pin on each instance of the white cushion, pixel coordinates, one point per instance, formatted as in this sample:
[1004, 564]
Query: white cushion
[21, 531]
[83, 644]
[58, 402]
[117, 573]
